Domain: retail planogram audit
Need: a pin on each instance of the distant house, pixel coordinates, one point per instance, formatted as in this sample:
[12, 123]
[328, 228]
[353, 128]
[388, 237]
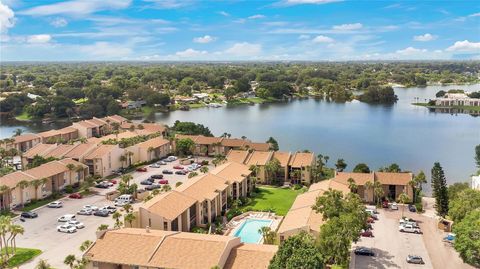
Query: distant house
[476, 182]
[61, 135]
[94, 127]
[201, 96]
[133, 104]
[149, 150]
[300, 167]
[23, 142]
[456, 99]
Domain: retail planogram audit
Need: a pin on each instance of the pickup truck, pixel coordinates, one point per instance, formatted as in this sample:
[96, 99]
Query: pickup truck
[408, 228]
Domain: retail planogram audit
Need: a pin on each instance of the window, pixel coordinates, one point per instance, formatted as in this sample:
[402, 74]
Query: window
[150, 222]
[165, 226]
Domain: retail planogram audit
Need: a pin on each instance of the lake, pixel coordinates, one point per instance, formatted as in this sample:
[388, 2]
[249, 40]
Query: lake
[377, 135]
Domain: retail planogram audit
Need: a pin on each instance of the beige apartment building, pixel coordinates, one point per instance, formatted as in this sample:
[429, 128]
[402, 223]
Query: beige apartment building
[130, 248]
[149, 150]
[22, 142]
[104, 159]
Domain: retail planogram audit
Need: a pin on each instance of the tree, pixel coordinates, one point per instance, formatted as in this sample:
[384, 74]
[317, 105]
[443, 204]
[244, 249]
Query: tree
[116, 216]
[464, 202]
[341, 165]
[456, 188]
[22, 185]
[467, 241]
[218, 159]
[439, 189]
[352, 185]
[184, 146]
[393, 168]
[102, 227]
[298, 251]
[43, 264]
[268, 235]
[85, 245]
[192, 174]
[204, 169]
[332, 241]
[403, 199]
[273, 144]
[477, 156]
[36, 184]
[129, 217]
[70, 260]
[17, 132]
[417, 184]
[272, 168]
[361, 168]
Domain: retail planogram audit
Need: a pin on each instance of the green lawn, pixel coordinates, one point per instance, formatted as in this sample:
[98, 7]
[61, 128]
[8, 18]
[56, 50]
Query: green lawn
[277, 199]
[39, 203]
[471, 108]
[199, 105]
[23, 117]
[22, 256]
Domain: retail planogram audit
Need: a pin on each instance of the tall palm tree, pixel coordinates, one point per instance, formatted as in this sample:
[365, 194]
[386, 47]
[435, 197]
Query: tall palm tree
[5, 224]
[17, 132]
[129, 217]
[42, 264]
[403, 199]
[85, 245]
[352, 185]
[22, 185]
[70, 167]
[116, 216]
[70, 260]
[15, 230]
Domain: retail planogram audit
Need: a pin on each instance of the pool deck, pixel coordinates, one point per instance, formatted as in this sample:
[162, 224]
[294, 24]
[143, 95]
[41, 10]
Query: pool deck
[235, 223]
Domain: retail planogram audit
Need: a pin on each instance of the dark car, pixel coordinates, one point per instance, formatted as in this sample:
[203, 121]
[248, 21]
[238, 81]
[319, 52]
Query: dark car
[101, 213]
[167, 172]
[146, 182]
[415, 259]
[412, 208]
[157, 176]
[364, 251]
[75, 196]
[152, 187]
[29, 215]
[181, 172]
[142, 169]
[102, 185]
[366, 233]
[151, 179]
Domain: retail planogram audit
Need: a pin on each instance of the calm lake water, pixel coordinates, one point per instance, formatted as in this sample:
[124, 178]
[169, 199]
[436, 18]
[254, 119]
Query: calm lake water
[378, 135]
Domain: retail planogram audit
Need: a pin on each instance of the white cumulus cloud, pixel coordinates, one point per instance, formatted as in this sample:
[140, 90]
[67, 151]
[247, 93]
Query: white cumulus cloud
[323, 39]
[7, 18]
[348, 26]
[244, 49]
[59, 22]
[106, 50]
[424, 38]
[204, 39]
[465, 46]
[39, 39]
[410, 51]
[190, 53]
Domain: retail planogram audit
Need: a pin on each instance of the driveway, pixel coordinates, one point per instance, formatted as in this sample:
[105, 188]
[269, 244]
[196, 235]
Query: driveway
[391, 247]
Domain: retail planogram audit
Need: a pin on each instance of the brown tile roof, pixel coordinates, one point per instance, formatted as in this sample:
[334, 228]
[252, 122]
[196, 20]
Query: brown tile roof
[86, 124]
[39, 149]
[100, 151]
[393, 178]
[47, 170]
[98, 122]
[238, 156]
[25, 138]
[11, 180]
[329, 184]
[306, 199]
[192, 251]
[50, 133]
[259, 158]
[114, 118]
[250, 256]
[203, 187]
[67, 130]
[71, 161]
[258, 146]
[283, 157]
[169, 205]
[147, 127]
[232, 171]
[80, 150]
[234, 142]
[154, 143]
[302, 159]
[192, 137]
[360, 178]
[303, 218]
[207, 140]
[59, 151]
[127, 246]
[119, 136]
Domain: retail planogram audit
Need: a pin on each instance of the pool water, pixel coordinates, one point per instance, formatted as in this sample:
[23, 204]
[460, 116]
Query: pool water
[248, 232]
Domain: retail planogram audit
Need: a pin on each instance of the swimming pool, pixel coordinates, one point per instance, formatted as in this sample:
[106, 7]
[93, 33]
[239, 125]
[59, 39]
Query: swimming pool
[248, 231]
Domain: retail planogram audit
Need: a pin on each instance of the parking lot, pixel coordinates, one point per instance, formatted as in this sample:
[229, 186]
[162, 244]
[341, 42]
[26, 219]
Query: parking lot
[41, 232]
[391, 246]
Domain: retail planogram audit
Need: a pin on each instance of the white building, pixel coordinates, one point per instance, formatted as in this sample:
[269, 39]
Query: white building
[476, 182]
[456, 99]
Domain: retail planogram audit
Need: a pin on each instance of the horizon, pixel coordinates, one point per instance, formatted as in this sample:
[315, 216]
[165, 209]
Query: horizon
[243, 31]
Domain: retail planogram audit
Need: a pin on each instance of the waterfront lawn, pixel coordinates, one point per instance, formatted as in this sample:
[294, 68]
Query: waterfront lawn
[23, 117]
[271, 198]
[22, 256]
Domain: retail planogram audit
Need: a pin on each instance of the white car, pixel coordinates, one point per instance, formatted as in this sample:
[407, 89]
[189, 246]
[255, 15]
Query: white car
[56, 204]
[66, 228]
[67, 217]
[86, 212]
[161, 163]
[171, 158]
[91, 207]
[393, 206]
[155, 165]
[77, 224]
[407, 228]
[109, 208]
[110, 184]
[121, 203]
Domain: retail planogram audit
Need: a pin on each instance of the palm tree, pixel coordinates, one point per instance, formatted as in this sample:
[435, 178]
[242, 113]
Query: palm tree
[5, 223]
[102, 227]
[352, 185]
[22, 185]
[166, 188]
[70, 168]
[272, 167]
[267, 234]
[85, 245]
[70, 260]
[17, 132]
[403, 199]
[192, 174]
[127, 207]
[15, 230]
[129, 217]
[42, 264]
[4, 191]
[378, 191]
[204, 169]
[116, 216]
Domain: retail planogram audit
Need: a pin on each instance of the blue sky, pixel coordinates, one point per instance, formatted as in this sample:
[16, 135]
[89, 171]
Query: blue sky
[166, 30]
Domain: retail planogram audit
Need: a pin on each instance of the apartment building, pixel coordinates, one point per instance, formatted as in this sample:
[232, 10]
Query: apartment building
[104, 159]
[210, 146]
[130, 248]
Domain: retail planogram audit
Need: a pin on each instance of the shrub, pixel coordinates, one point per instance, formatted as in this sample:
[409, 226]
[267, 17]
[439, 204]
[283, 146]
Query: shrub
[68, 189]
[199, 230]
[419, 207]
[297, 187]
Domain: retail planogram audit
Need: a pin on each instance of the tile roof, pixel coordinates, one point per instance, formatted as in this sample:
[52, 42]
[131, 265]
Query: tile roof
[68, 129]
[98, 122]
[192, 137]
[60, 151]
[232, 171]
[39, 149]
[393, 178]
[154, 143]
[239, 156]
[101, 151]
[47, 170]
[86, 124]
[49, 133]
[71, 161]
[25, 138]
[11, 180]
[234, 142]
[360, 178]
[169, 205]
[306, 199]
[258, 146]
[114, 118]
[283, 157]
[207, 140]
[259, 158]
[80, 150]
[250, 256]
[302, 159]
[203, 187]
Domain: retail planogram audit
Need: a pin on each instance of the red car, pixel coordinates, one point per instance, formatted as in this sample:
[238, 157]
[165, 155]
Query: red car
[75, 196]
[385, 204]
[370, 220]
[366, 233]
[142, 169]
[113, 181]
[163, 181]
[179, 167]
